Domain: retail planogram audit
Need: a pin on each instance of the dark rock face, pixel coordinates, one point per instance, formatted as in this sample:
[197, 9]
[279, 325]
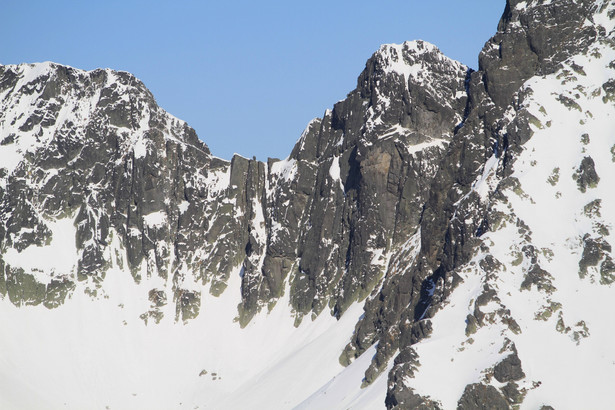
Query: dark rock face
[532, 40]
[512, 394]
[480, 396]
[586, 175]
[406, 364]
[596, 252]
[509, 369]
[353, 187]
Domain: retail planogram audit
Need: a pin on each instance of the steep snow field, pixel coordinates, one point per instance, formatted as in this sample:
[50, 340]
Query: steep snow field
[94, 354]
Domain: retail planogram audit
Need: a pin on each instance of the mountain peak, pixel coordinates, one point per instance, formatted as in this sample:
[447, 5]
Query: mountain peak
[44, 103]
[412, 58]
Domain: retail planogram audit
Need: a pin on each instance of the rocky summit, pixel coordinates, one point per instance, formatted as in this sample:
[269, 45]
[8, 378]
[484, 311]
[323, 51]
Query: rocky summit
[439, 239]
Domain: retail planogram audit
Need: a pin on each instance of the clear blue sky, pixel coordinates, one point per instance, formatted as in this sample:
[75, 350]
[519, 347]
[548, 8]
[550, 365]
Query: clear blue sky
[247, 75]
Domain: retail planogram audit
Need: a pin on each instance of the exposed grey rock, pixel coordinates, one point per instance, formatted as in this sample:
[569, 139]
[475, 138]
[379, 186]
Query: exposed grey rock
[609, 91]
[509, 369]
[586, 175]
[597, 251]
[479, 396]
[471, 325]
[538, 277]
[512, 394]
[607, 270]
[405, 398]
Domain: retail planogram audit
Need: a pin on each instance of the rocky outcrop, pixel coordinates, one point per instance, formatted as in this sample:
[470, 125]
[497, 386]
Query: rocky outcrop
[479, 396]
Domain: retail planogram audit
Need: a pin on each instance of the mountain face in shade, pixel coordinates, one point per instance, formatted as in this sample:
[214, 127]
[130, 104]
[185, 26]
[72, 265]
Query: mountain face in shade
[441, 238]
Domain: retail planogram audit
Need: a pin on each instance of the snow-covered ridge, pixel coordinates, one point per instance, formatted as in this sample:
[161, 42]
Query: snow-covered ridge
[428, 78]
[42, 102]
[409, 59]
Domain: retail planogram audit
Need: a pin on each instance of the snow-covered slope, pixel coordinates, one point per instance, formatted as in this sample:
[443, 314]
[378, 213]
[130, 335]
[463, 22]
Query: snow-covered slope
[93, 354]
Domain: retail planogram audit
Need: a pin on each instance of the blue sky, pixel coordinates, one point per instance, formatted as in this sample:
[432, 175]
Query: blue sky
[247, 75]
